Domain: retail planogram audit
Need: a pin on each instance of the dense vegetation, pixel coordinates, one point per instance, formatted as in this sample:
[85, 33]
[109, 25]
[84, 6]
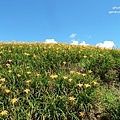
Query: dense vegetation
[59, 82]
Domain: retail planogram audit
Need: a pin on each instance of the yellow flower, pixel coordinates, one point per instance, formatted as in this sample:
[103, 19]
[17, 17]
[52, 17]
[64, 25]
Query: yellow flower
[28, 67]
[44, 48]
[45, 51]
[0, 85]
[8, 65]
[100, 55]
[64, 62]
[28, 72]
[78, 73]
[0, 52]
[80, 85]
[2, 79]
[26, 54]
[9, 71]
[86, 85]
[9, 51]
[7, 91]
[26, 90]
[65, 77]
[9, 61]
[34, 56]
[53, 76]
[71, 72]
[85, 56]
[37, 74]
[4, 112]
[70, 80]
[90, 71]
[79, 51]
[71, 99]
[81, 114]
[28, 81]
[14, 100]
[3, 87]
[94, 82]
[90, 55]
[18, 75]
[83, 74]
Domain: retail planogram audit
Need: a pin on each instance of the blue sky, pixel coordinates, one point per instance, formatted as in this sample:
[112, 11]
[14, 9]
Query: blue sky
[92, 21]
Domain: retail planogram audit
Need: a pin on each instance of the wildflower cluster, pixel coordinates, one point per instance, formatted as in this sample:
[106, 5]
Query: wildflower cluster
[56, 81]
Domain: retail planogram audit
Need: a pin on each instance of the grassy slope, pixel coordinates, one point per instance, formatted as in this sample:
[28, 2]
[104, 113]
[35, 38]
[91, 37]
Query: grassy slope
[58, 81]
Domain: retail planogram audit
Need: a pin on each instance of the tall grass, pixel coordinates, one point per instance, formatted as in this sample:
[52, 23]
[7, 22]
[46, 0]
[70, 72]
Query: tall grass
[58, 82]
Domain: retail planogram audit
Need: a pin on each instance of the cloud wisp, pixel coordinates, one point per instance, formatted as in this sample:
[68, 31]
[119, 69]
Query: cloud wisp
[73, 35]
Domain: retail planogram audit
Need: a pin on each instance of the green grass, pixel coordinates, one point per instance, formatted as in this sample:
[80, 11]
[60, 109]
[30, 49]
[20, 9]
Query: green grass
[59, 82]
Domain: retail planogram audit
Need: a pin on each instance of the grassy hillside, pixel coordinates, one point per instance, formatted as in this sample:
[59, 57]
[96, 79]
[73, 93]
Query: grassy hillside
[59, 82]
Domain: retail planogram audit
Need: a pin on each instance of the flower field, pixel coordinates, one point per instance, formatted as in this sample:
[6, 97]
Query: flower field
[41, 81]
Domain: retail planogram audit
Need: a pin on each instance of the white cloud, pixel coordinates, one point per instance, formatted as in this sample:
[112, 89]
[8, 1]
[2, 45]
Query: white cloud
[106, 44]
[83, 43]
[74, 42]
[50, 41]
[73, 35]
